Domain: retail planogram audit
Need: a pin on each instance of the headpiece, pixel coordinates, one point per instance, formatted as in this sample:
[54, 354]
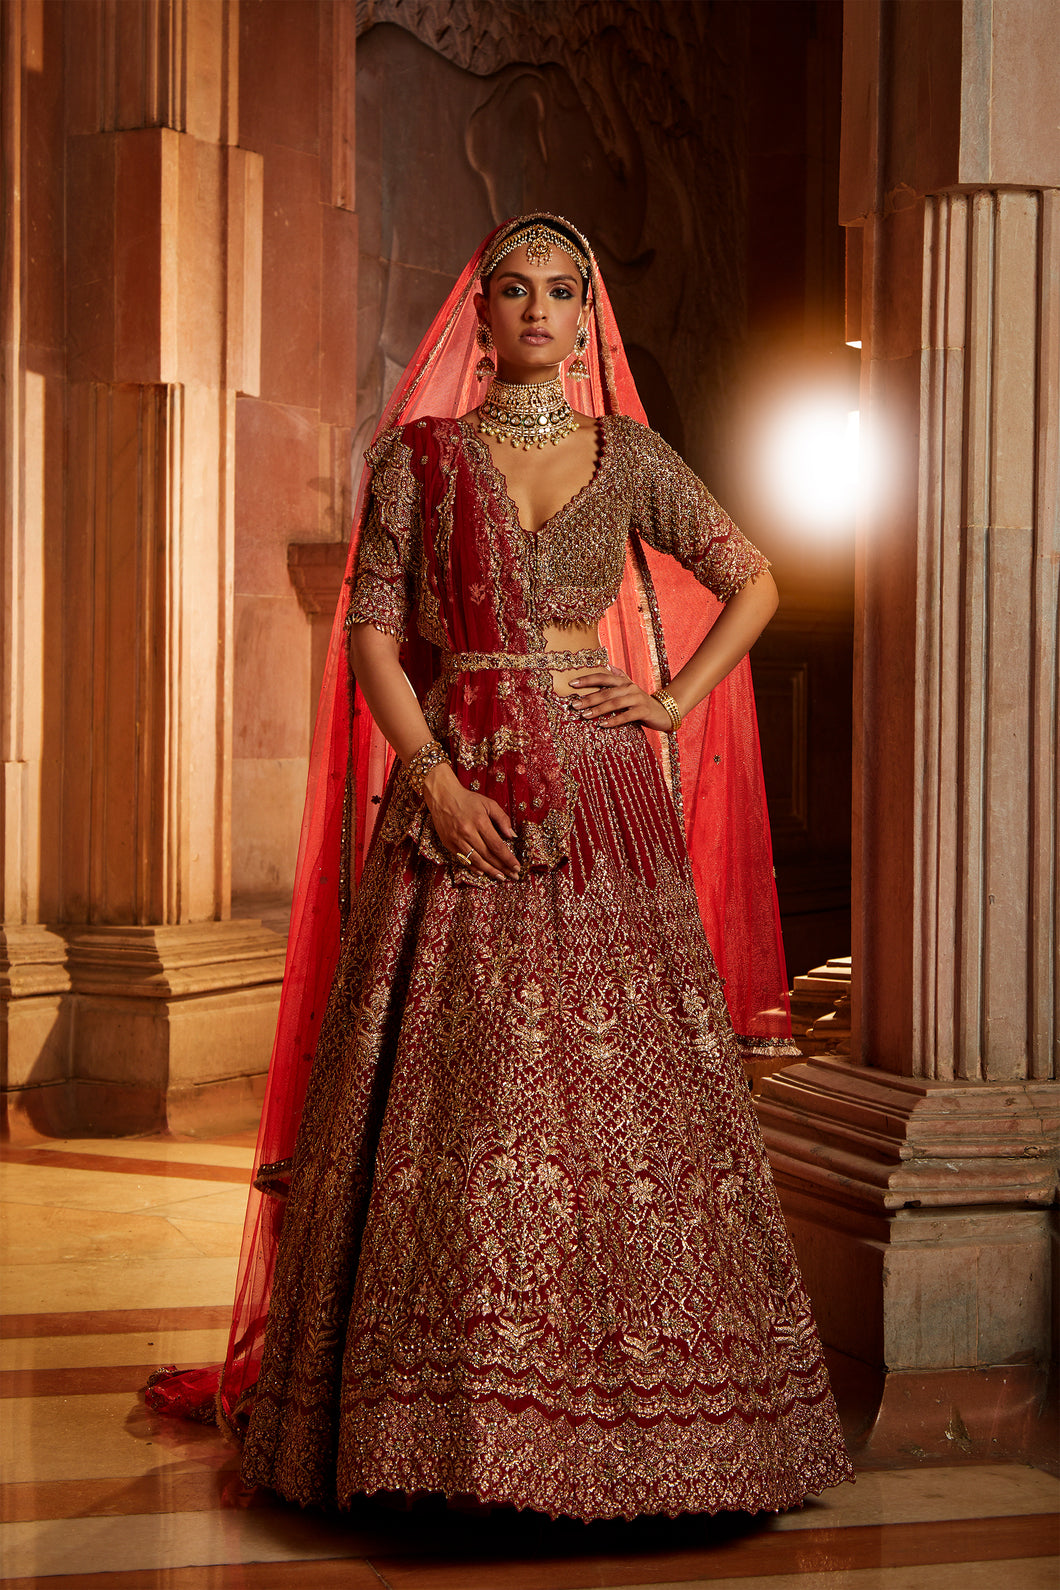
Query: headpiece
[540, 239]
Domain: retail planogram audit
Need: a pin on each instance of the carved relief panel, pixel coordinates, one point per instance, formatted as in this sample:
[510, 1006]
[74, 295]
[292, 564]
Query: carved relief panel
[622, 116]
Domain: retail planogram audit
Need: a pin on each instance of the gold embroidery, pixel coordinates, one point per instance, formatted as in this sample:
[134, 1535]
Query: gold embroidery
[571, 571]
[532, 1250]
[479, 661]
[383, 591]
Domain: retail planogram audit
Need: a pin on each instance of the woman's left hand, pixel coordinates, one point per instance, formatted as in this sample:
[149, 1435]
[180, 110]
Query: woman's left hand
[611, 697]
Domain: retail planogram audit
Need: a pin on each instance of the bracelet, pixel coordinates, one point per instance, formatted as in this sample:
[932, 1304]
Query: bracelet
[665, 699]
[420, 763]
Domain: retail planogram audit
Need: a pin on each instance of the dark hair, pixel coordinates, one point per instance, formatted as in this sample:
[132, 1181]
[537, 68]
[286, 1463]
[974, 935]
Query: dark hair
[553, 226]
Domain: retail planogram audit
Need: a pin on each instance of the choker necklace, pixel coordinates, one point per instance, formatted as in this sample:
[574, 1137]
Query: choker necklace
[526, 414]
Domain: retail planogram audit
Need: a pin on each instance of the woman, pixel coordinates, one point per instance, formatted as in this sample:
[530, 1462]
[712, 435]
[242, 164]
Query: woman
[531, 1252]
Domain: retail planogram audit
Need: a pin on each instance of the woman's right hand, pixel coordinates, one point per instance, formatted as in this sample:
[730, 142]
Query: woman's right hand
[466, 822]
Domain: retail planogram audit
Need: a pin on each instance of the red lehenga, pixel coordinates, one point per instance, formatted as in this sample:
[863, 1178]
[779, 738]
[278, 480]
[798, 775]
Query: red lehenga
[529, 1249]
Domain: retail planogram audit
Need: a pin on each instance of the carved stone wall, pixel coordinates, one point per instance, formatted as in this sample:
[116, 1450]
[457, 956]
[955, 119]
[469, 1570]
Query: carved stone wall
[294, 427]
[626, 117]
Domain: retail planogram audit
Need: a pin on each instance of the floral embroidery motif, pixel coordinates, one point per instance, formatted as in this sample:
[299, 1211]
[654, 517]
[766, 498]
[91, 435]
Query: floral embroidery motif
[532, 1250]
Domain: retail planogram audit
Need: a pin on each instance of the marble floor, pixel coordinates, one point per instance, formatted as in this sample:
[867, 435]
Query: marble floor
[120, 1256]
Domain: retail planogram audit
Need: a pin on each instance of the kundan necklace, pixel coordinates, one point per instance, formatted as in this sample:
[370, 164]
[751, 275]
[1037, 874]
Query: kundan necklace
[526, 414]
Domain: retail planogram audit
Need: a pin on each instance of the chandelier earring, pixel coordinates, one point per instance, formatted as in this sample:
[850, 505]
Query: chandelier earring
[485, 367]
[579, 370]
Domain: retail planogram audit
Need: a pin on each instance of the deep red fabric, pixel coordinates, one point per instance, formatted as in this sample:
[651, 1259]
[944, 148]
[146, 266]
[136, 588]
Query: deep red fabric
[658, 620]
[476, 712]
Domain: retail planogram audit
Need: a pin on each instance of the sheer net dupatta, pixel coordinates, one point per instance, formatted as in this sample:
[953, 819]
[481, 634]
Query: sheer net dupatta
[349, 764]
[717, 781]
[714, 766]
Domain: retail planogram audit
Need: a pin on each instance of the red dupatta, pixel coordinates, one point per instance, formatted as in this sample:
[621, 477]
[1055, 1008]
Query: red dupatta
[498, 731]
[658, 620]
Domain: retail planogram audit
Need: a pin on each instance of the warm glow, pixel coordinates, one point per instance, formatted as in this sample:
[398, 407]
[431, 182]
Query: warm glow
[854, 344]
[812, 458]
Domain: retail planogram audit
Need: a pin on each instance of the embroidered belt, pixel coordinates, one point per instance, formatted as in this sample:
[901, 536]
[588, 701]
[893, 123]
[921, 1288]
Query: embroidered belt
[459, 662]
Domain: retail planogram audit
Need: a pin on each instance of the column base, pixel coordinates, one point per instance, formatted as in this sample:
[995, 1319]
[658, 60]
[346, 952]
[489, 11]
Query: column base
[146, 1029]
[997, 1413]
[923, 1214]
[813, 999]
[35, 1021]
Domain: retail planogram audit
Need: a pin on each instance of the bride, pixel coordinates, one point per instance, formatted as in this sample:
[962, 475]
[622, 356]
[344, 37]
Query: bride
[514, 1236]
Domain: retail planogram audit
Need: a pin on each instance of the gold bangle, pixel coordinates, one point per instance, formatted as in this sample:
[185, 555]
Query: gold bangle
[420, 763]
[673, 711]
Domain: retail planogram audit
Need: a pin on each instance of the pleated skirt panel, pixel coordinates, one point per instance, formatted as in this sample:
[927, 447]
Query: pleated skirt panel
[532, 1252]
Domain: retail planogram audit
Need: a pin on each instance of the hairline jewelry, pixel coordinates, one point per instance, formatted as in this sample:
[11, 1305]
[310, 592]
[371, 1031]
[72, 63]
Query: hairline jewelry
[540, 238]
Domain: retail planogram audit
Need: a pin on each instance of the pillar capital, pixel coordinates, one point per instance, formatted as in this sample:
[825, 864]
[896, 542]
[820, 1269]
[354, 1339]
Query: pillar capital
[944, 97]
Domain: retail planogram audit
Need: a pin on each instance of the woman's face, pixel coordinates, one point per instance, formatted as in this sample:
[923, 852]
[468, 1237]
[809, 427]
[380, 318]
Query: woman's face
[534, 312]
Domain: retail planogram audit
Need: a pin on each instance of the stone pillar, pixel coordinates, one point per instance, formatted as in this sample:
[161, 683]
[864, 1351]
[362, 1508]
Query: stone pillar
[34, 979]
[174, 1003]
[130, 999]
[920, 1178]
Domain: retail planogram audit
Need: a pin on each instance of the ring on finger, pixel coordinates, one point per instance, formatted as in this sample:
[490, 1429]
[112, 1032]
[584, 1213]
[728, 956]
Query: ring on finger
[467, 858]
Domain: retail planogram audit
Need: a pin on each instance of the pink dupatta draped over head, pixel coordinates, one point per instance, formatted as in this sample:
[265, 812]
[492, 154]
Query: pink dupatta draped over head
[660, 617]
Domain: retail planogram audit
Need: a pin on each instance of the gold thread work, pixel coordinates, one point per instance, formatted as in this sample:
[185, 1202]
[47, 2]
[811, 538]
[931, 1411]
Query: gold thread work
[527, 414]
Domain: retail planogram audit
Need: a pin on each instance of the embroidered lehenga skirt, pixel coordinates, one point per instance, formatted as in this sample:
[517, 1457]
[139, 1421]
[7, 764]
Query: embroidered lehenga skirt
[532, 1251]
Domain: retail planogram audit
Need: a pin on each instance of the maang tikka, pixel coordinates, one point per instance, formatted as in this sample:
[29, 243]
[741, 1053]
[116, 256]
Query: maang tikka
[579, 370]
[485, 367]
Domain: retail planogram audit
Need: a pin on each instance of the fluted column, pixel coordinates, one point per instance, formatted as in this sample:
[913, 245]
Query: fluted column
[173, 1002]
[920, 1178]
[958, 820]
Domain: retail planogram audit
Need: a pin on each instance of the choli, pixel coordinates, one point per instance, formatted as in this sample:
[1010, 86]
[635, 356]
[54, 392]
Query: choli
[442, 534]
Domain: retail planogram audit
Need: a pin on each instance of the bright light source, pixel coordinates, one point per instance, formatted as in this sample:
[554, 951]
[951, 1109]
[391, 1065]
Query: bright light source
[854, 344]
[812, 453]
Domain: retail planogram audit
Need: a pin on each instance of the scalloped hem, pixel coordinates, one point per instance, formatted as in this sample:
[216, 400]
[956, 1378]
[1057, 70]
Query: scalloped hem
[549, 1464]
[710, 1506]
[707, 1503]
